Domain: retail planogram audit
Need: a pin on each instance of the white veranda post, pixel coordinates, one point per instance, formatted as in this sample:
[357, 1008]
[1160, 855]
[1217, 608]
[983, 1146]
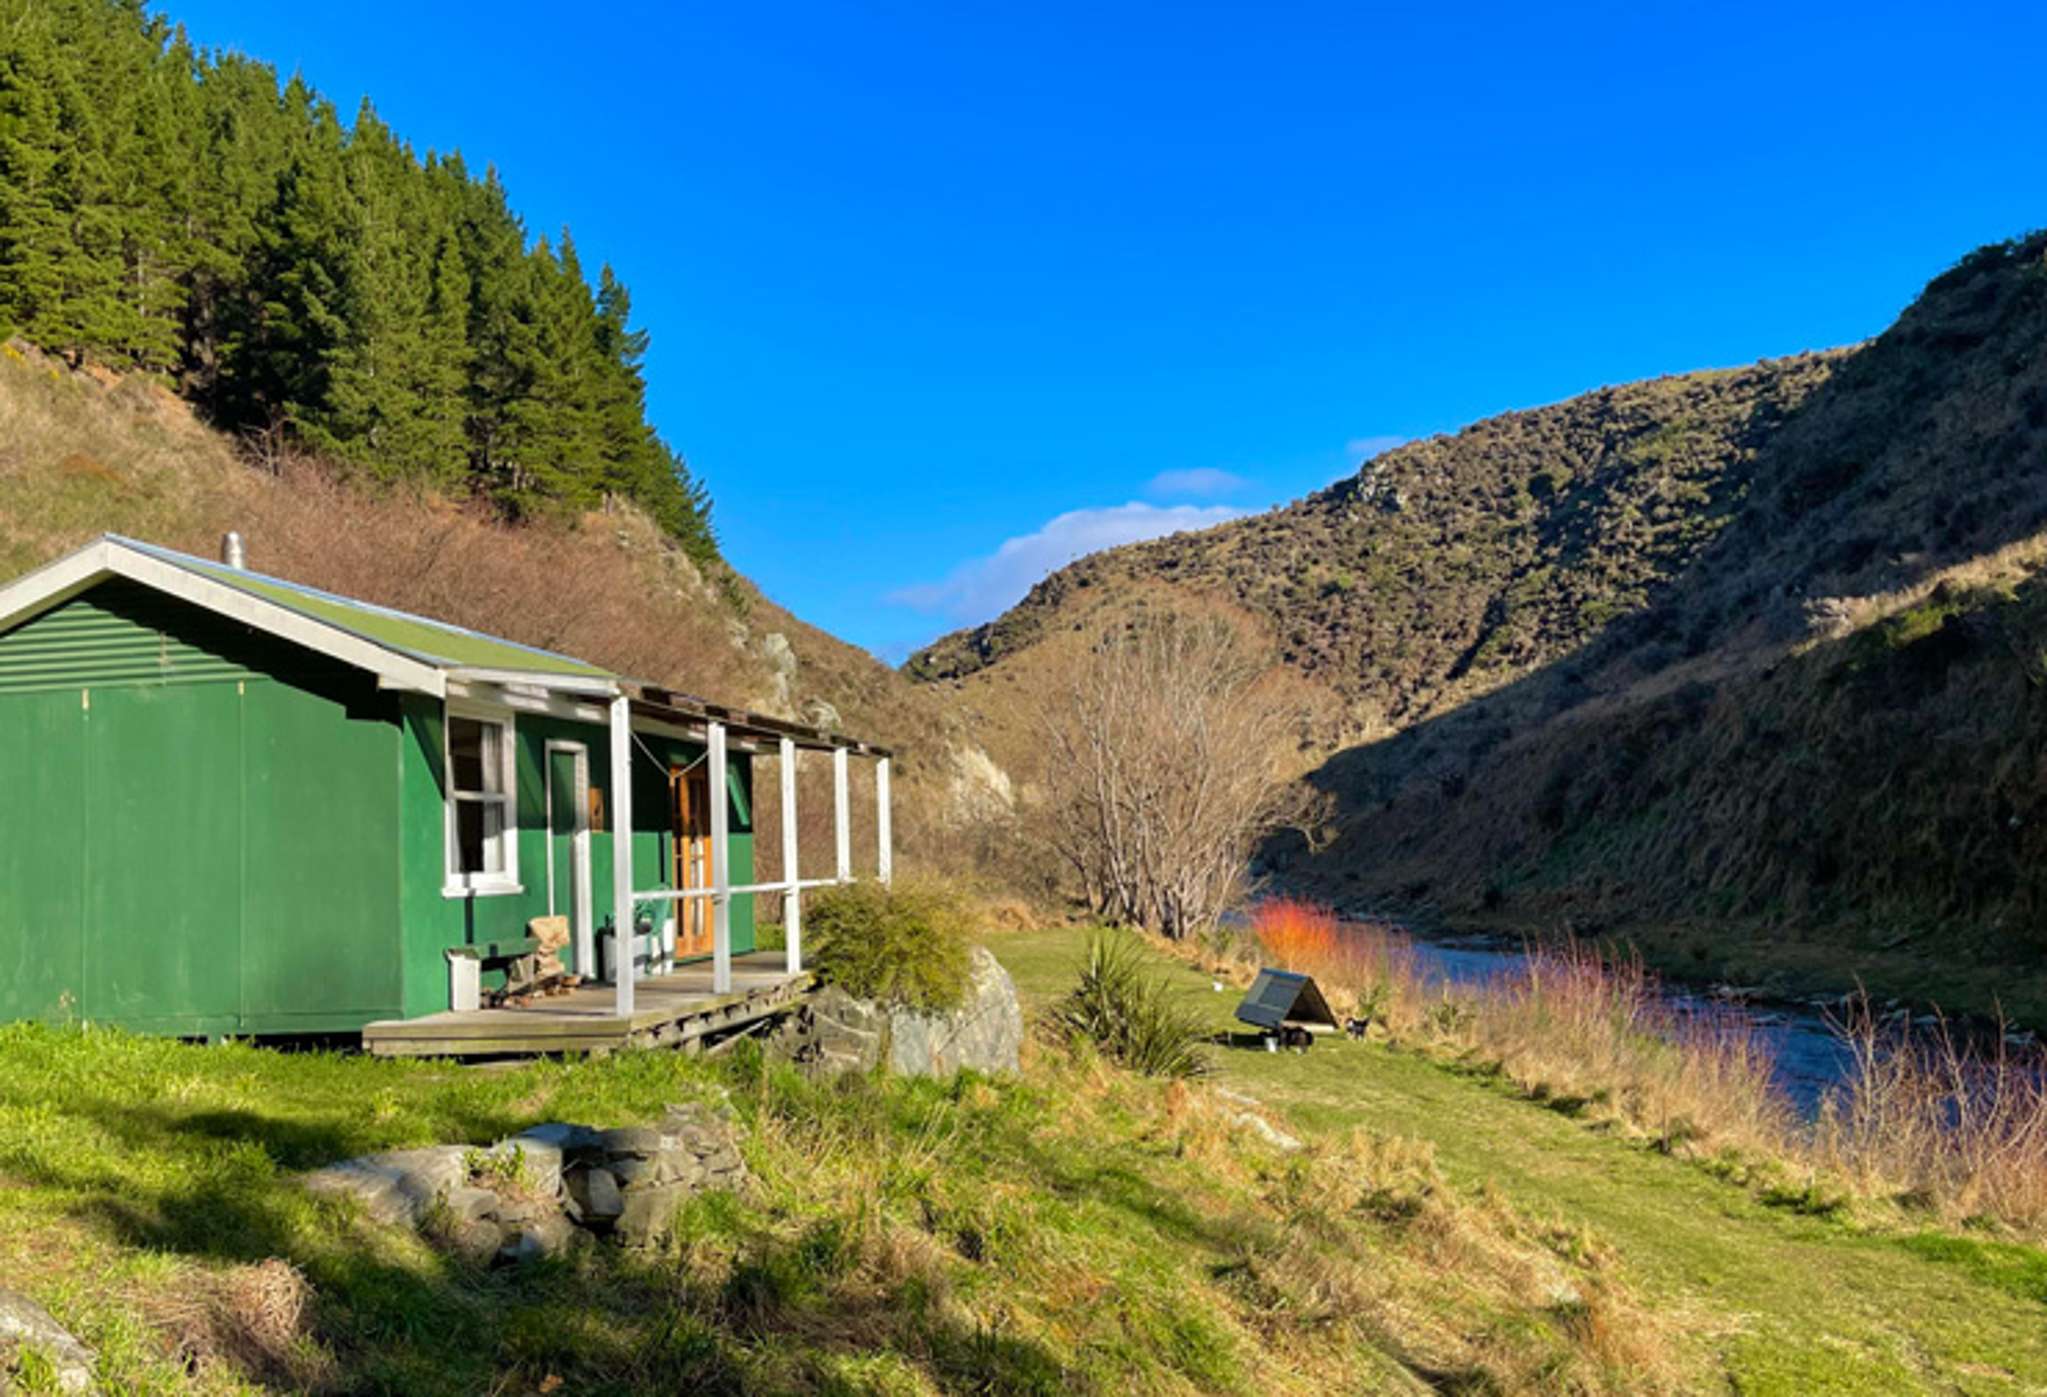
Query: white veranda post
[721, 865]
[622, 853]
[883, 834]
[792, 894]
[842, 815]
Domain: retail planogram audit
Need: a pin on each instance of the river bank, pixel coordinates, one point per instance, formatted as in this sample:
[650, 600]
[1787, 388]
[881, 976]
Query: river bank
[1795, 988]
[1922, 971]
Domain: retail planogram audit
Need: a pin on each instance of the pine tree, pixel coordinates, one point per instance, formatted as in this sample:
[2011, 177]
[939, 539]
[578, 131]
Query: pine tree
[639, 466]
[57, 274]
[184, 213]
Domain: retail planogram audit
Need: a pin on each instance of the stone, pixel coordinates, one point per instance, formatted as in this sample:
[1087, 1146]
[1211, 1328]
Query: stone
[477, 1242]
[631, 1172]
[26, 1325]
[596, 1192]
[638, 1141]
[985, 1033]
[579, 1144]
[540, 1161]
[649, 1214]
[680, 1166]
[831, 1034]
[467, 1204]
[546, 1236]
[396, 1186]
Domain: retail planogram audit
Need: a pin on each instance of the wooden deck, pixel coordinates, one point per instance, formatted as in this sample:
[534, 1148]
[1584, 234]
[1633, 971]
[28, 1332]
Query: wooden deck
[668, 1011]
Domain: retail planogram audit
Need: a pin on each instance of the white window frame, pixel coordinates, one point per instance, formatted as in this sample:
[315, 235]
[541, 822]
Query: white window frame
[458, 884]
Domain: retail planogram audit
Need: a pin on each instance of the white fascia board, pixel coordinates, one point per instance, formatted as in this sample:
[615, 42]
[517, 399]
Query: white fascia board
[54, 583]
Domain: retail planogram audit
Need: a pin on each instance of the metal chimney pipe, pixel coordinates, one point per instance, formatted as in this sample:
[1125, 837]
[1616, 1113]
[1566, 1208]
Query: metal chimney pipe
[231, 551]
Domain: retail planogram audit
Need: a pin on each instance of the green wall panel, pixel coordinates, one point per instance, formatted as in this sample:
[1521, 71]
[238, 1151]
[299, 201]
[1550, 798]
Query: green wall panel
[320, 871]
[197, 849]
[163, 838]
[42, 839]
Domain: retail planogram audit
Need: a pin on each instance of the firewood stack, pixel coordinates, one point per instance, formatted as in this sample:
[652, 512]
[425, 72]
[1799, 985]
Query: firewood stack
[542, 974]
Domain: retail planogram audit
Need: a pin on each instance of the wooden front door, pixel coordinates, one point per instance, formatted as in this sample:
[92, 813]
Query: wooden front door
[689, 798]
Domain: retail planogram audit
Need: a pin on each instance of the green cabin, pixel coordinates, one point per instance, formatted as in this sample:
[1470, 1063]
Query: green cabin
[237, 805]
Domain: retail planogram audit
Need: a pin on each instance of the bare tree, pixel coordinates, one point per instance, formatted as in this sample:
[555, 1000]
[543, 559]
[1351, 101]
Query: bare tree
[1166, 762]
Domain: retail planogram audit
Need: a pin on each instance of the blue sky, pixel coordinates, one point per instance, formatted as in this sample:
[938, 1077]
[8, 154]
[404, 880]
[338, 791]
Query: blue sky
[943, 294]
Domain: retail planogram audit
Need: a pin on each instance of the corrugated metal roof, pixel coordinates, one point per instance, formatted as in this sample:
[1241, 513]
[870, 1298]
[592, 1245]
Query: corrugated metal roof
[432, 642]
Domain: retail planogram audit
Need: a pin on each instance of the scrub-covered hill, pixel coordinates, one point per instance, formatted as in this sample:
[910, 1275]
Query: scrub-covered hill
[1675, 652]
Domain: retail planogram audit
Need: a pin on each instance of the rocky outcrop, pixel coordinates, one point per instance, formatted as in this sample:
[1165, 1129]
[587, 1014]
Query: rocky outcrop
[547, 1190]
[26, 1327]
[836, 1032]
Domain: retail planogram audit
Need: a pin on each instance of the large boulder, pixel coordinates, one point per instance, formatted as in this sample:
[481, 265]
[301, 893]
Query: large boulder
[26, 1326]
[985, 1033]
[836, 1032]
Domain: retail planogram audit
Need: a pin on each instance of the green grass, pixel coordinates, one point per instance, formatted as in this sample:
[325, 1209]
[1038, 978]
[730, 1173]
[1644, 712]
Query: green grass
[1771, 1300]
[1082, 1229]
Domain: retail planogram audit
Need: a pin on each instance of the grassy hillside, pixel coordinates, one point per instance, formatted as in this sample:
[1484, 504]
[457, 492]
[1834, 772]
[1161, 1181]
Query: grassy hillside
[1077, 1230]
[1739, 663]
[83, 453]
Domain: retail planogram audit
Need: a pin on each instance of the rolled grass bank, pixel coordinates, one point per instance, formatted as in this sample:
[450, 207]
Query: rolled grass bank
[1074, 1228]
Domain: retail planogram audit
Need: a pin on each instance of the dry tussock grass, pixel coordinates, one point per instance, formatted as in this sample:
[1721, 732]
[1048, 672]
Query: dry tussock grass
[253, 1321]
[1947, 1122]
[1327, 1263]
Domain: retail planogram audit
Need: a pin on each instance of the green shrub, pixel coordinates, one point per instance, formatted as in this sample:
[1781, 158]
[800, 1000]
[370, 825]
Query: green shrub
[1130, 1015]
[904, 945]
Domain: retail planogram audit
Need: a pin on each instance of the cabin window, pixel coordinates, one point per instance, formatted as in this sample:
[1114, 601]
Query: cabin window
[483, 850]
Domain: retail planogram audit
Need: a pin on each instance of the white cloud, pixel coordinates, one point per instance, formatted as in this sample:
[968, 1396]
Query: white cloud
[1201, 480]
[1364, 448]
[982, 588]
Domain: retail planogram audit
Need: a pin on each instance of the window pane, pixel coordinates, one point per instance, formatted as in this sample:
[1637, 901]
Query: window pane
[493, 837]
[493, 735]
[471, 840]
[466, 759]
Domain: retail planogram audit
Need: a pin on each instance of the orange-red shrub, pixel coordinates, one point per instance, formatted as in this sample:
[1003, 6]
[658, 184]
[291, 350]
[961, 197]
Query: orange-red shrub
[1295, 935]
